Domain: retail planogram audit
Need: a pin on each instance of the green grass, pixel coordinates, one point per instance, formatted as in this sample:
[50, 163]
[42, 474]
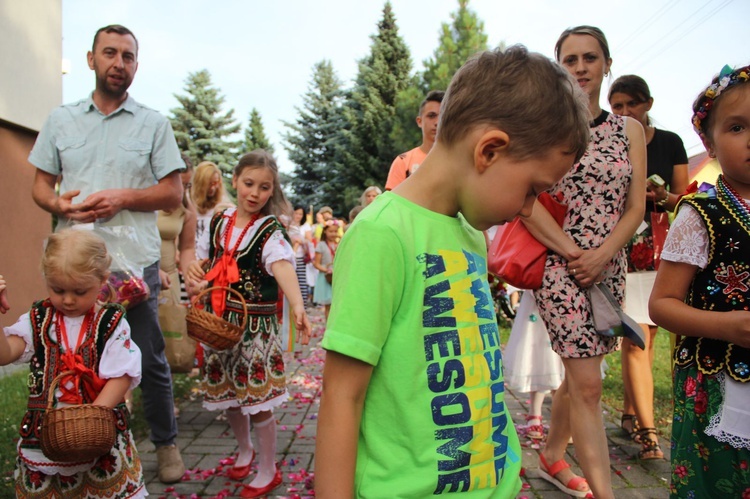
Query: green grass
[13, 398]
[612, 390]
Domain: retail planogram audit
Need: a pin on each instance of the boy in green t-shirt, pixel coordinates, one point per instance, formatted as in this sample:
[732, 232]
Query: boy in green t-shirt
[413, 395]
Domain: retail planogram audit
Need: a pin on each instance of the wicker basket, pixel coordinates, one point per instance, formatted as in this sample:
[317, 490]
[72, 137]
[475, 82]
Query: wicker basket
[76, 433]
[211, 329]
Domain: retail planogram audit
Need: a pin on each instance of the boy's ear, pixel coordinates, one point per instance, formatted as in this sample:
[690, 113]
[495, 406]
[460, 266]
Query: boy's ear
[490, 146]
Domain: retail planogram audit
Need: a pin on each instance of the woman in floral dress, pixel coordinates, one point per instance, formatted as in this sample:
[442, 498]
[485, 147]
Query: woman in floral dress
[605, 195]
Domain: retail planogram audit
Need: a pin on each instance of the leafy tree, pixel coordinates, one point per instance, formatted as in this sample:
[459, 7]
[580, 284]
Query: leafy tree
[366, 150]
[255, 135]
[458, 41]
[312, 137]
[200, 126]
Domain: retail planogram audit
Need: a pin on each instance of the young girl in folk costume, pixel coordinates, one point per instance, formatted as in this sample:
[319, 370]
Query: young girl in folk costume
[702, 294]
[250, 252]
[71, 331]
[323, 261]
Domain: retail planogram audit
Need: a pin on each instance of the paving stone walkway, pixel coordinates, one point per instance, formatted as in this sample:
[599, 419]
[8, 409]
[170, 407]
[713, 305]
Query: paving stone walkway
[206, 442]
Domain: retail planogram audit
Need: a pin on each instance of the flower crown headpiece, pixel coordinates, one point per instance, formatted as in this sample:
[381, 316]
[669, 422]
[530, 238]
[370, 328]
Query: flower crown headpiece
[727, 79]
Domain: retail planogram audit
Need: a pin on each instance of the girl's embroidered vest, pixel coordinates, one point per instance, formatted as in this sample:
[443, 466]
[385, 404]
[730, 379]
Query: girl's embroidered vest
[723, 285]
[46, 364]
[259, 289]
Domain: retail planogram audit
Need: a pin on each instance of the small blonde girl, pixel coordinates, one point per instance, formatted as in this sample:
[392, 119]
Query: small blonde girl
[702, 294]
[71, 330]
[250, 252]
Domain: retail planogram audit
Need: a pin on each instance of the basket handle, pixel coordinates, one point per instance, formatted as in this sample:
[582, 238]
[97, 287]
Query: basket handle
[236, 293]
[53, 387]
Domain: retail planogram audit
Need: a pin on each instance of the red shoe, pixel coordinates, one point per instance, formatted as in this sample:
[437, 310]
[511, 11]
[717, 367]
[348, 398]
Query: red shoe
[249, 492]
[548, 473]
[241, 472]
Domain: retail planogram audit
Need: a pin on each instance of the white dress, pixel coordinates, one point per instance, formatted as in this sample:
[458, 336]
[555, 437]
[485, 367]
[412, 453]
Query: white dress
[530, 364]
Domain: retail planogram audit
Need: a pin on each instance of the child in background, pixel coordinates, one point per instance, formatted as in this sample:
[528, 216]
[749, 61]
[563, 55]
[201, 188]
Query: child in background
[323, 261]
[71, 331]
[249, 252]
[701, 294]
[530, 365]
[413, 398]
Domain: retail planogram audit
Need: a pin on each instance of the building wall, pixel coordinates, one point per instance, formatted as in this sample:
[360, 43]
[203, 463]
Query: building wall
[30, 51]
[31, 86]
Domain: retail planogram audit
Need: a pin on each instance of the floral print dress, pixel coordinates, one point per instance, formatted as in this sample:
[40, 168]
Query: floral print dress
[595, 190]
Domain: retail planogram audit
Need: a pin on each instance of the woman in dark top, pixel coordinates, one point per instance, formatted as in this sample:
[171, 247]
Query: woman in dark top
[629, 95]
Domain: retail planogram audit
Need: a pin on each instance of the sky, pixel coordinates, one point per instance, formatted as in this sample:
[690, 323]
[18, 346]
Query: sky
[260, 53]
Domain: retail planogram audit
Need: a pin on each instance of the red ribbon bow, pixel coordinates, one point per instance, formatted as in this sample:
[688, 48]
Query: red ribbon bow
[83, 378]
[225, 270]
[222, 274]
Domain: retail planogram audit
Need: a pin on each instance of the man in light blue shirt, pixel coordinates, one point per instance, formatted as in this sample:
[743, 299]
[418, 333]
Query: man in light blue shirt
[119, 160]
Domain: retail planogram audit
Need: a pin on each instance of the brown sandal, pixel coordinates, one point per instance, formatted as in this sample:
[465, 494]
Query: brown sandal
[650, 445]
[631, 432]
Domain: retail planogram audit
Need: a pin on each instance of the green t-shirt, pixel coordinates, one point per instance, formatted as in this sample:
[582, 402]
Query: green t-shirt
[411, 298]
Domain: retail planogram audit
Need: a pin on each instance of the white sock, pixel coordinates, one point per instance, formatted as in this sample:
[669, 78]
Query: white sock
[265, 432]
[240, 424]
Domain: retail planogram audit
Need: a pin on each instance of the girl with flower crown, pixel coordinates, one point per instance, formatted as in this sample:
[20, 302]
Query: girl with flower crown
[702, 294]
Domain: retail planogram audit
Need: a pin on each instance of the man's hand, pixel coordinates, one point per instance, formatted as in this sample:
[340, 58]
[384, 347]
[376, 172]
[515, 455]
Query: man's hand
[107, 203]
[79, 212]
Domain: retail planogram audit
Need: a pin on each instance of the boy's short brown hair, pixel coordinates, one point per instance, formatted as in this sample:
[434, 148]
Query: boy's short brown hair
[528, 96]
[432, 96]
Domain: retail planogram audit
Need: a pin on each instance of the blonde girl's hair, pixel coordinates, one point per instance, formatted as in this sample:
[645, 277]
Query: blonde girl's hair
[372, 188]
[76, 254]
[201, 182]
[277, 204]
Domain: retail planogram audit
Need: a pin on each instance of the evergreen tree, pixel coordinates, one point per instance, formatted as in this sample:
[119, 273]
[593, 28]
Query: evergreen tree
[311, 139]
[459, 40]
[255, 135]
[201, 128]
[366, 150]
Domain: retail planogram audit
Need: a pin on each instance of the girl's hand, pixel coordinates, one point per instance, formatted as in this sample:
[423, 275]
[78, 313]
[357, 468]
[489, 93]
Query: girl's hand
[166, 282]
[588, 268]
[195, 272]
[739, 330]
[302, 323]
[4, 305]
[194, 288]
[113, 392]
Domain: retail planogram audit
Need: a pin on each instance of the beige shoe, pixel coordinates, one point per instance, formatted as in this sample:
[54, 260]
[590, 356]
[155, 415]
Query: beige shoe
[171, 467]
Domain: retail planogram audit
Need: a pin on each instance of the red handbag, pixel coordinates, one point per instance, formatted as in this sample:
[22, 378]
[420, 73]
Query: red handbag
[659, 229]
[515, 255]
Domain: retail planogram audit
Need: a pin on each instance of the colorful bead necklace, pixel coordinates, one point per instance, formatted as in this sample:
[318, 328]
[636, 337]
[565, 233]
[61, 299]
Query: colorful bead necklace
[737, 205]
